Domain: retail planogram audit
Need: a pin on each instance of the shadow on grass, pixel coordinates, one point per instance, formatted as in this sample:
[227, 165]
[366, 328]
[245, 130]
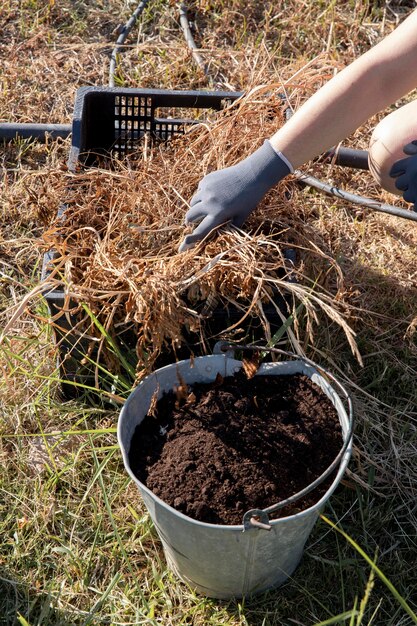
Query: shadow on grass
[22, 605]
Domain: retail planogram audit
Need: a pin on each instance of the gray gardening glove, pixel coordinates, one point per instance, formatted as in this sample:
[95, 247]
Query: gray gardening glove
[405, 173]
[231, 194]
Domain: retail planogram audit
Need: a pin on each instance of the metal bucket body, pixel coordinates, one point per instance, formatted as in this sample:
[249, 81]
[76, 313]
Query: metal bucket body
[222, 561]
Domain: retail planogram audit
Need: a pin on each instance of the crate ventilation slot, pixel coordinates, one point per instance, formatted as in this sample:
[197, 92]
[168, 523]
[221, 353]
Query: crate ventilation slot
[133, 117]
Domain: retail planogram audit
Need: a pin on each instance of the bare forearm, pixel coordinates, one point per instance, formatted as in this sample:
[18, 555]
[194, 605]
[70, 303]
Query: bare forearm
[376, 79]
[371, 83]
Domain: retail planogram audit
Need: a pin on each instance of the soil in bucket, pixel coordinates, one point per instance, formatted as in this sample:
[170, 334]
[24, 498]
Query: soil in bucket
[214, 451]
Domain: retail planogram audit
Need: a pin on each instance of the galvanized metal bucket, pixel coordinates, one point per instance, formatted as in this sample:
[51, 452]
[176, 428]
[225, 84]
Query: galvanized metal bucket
[223, 561]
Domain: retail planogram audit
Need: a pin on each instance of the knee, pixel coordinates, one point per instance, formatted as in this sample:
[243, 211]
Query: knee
[383, 152]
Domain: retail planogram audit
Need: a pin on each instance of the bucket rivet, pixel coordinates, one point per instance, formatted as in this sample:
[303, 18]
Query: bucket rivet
[256, 518]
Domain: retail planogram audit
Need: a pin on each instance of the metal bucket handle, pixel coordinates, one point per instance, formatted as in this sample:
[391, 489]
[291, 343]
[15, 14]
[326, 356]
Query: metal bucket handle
[259, 518]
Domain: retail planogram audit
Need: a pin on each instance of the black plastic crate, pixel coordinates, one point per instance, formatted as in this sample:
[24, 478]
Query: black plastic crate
[108, 123]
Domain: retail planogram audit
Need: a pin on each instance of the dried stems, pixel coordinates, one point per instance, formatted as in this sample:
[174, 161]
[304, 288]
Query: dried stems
[120, 233]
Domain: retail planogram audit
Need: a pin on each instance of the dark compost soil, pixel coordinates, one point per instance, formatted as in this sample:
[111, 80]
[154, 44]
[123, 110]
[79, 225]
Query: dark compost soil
[220, 449]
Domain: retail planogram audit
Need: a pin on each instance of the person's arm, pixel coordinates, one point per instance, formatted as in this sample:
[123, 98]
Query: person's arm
[372, 82]
[375, 80]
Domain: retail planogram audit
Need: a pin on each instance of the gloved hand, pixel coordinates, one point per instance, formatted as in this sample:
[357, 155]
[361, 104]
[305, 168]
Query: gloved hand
[231, 194]
[405, 173]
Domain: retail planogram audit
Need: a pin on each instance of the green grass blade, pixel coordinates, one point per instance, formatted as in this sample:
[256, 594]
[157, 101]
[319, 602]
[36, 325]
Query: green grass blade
[128, 367]
[63, 433]
[352, 621]
[103, 598]
[283, 329]
[378, 572]
[119, 540]
[120, 379]
[52, 378]
[342, 617]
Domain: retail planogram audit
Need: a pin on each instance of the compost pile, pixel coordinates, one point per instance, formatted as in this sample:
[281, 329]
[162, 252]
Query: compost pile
[117, 244]
[224, 448]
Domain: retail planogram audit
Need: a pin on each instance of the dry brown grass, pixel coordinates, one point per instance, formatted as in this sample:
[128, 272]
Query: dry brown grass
[362, 264]
[117, 245]
[350, 253]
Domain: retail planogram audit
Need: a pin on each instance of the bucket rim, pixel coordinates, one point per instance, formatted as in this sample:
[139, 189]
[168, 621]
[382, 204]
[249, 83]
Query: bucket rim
[344, 460]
